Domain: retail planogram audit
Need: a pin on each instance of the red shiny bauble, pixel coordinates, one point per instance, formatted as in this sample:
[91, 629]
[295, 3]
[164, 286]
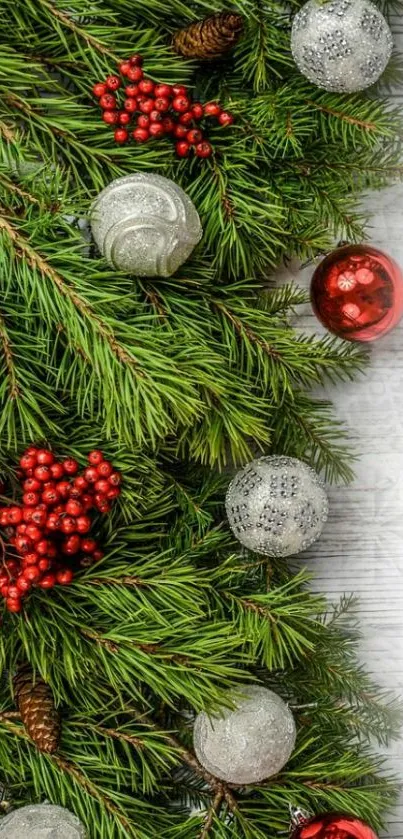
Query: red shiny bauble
[334, 826]
[357, 293]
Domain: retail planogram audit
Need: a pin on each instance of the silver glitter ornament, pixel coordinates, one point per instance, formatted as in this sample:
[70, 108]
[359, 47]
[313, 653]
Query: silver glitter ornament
[341, 45]
[145, 224]
[250, 743]
[277, 506]
[41, 821]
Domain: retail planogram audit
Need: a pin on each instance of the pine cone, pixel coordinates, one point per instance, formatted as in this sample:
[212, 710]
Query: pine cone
[37, 708]
[209, 38]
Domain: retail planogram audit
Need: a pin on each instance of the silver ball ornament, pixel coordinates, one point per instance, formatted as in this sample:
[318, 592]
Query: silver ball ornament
[341, 45]
[250, 743]
[277, 506]
[145, 224]
[41, 821]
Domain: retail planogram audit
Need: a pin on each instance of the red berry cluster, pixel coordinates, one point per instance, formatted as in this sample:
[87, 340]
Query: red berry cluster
[158, 109]
[53, 521]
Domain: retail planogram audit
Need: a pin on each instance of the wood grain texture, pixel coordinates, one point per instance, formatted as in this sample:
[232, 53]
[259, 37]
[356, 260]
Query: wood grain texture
[361, 549]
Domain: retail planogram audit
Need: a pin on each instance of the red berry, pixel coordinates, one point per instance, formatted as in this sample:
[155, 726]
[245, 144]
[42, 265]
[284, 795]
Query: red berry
[33, 532]
[113, 82]
[156, 130]
[197, 110]
[13, 604]
[23, 584]
[42, 547]
[88, 545]
[212, 109]
[113, 492]
[143, 121]
[135, 74]
[83, 524]
[130, 105]
[146, 86]
[57, 470]
[124, 118]
[141, 135]
[80, 482]
[146, 106]
[87, 502]
[102, 486]
[43, 474]
[124, 67]
[91, 473]
[14, 515]
[45, 457]
[194, 136]
[108, 102]
[110, 117]
[115, 479]
[131, 90]
[72, 544]
[155, 116]
[179, 90]
[30, 499]
[63, 488]
[31, 573]
[27, 512]
[4, 589]
[39, 515]
[50, 496]
[73, 507]
[23, 544]
[186, 118]
[68, 525]
[180, 131]
[102, 503]
[104, 469]
[163, 90]
[225, 118]
[181, 104]
[168, 125]
[64, 576]
[12, 566]
[204, 149]
[14, 592]
[121, 135]
[52, 551]
[27, 461]
[136, 60]
[97, 555]
[99, 89]
[30, 559]
[48, 581]
[70, 466]
[44, 564]
[53, 521]
[162, 104]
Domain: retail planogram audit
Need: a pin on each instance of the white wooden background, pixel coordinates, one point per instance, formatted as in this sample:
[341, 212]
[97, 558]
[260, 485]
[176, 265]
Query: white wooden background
[361, 550]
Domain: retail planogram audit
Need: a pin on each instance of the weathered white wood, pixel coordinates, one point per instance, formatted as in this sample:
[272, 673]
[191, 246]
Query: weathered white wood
[361, 550]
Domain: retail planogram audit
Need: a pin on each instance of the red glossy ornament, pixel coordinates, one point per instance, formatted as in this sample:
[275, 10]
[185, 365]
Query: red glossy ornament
[357, 293]
[333, 826]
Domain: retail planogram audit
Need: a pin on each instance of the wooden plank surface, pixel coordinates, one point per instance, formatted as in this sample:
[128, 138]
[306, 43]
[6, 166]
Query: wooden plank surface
[361, 549]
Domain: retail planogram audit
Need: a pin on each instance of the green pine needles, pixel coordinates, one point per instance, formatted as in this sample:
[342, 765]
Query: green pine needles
[175, 379]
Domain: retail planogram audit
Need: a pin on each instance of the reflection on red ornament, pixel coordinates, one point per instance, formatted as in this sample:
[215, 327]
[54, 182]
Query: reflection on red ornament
[357, 293]
[333, 826]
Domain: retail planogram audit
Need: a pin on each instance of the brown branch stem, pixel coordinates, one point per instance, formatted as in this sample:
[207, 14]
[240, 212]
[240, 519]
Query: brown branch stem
[369, 126]
[81, 33]
[241, 328]
[211, 813]
[72, 770]
[5, 343]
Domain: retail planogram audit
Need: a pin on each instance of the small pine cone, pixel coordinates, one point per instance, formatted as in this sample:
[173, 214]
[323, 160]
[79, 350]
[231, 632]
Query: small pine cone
[37, 708]
[209, 38]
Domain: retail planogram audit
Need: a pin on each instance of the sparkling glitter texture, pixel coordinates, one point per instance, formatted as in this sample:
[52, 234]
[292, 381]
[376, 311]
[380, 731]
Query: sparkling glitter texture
[250, 743]
[341, 45]
[334, 826]
[357, 293]
[41, 821]
[145, 224]
[277, 506]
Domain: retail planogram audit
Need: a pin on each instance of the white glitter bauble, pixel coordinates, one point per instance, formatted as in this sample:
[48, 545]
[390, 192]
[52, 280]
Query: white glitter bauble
[341, 45]
[248, 744]
[145, 224]
[41, 821]
[277, 506]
